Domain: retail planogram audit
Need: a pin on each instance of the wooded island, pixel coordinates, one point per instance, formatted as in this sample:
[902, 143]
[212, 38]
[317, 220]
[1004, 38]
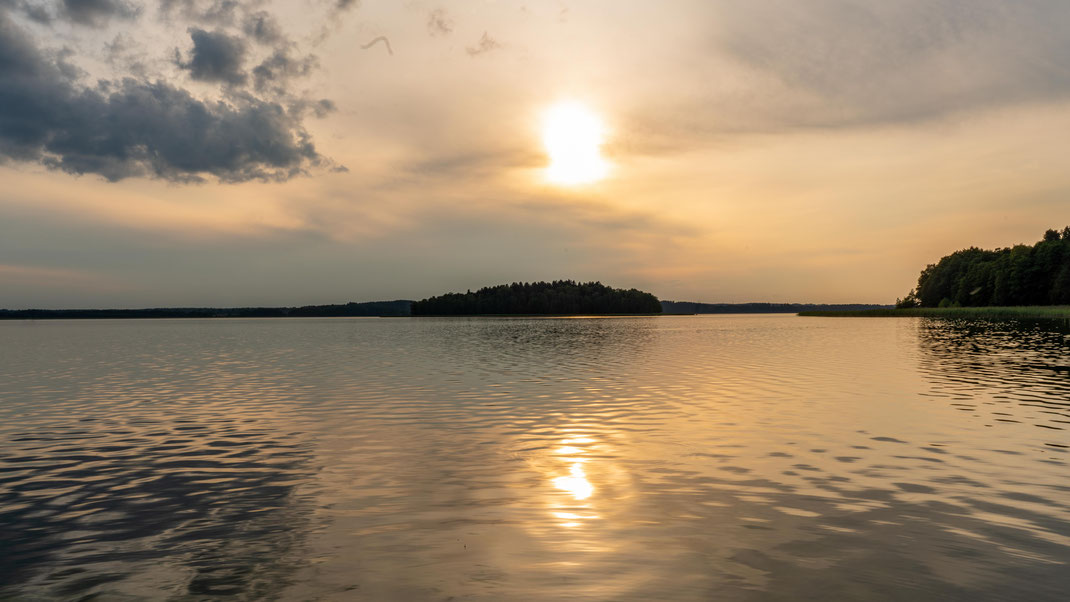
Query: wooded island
[560, 297]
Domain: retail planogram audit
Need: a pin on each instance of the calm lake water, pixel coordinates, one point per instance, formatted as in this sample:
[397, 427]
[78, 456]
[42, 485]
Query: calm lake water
[685, 458]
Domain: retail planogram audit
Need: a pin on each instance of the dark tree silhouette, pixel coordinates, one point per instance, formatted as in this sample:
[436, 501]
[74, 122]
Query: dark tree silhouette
[558, 297]
[1019, 275]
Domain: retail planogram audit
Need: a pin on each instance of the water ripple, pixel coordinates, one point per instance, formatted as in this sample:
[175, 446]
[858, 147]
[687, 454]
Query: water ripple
[729, 457]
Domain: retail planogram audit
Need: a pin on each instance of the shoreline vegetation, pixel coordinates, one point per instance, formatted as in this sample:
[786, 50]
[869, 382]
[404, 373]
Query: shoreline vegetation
[563, 298]
[1035, 275]
[1061, 312]
[400, 309]
[1015, 282]
[1019, 282]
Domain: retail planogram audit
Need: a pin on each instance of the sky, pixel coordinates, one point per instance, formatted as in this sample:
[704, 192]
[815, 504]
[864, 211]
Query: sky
[241, 153]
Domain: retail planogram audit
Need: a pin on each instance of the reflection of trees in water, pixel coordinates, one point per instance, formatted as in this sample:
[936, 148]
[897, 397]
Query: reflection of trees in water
[546, 343]
[1020, 369]
[150, 508]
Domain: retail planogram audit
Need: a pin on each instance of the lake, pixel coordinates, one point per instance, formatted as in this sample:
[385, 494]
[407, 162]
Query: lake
[731, 457]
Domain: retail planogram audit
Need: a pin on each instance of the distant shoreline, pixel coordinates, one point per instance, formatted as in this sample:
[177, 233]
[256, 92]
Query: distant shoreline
[370, 309]
[110, 315]
[1027, 312]
[577, 315]
[691, 307]
[395, 309]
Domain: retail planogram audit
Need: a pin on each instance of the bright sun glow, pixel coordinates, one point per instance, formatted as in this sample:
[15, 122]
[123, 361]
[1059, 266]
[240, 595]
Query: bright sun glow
[573, 136]
[576, 483]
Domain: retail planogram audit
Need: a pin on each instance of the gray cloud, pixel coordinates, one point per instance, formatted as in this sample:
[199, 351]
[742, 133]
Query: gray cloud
[262, 27]
[843, 62]
[214, 12]
[320, 108]
[273, 73]
[216, 57]
[38, 13]
[98, 12]
[485, 44]
[138, 128]
[219, 56]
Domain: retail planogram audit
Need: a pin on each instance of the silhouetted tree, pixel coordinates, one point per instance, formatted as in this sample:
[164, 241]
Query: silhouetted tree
[1021, 275]
[558, 297]
[911, 300]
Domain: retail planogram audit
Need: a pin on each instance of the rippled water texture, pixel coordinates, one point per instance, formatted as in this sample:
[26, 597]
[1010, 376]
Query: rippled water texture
[689, 458]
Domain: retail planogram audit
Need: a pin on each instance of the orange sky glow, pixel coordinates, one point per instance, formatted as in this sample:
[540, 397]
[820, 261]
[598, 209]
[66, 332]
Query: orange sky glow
[707, 151]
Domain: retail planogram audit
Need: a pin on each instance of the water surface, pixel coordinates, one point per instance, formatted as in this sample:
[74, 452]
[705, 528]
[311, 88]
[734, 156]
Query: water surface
[686, 458]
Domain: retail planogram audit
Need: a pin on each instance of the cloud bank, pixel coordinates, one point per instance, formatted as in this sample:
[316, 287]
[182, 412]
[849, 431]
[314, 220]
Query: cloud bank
[853, 62]
[216, 57]
[136, 125]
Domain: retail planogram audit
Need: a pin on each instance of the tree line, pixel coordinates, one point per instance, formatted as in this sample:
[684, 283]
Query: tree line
[557, 297]
[1036, 274]
[373, 308]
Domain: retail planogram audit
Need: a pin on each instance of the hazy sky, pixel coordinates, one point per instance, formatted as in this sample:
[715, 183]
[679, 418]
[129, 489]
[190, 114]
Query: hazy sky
[230, 152]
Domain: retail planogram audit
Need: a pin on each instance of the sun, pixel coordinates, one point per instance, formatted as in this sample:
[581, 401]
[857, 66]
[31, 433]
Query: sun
[573, 137]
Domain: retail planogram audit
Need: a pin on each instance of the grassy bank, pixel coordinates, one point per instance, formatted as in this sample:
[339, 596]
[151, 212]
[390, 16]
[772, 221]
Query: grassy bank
[995, 313]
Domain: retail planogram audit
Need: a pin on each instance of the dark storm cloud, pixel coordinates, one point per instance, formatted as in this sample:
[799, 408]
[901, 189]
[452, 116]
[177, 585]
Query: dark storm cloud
[219, 56]
[216, 57]
[138, 128]
[98, 12]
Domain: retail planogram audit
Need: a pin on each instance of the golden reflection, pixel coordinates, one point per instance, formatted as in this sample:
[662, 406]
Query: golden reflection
[573, 473]
[572, 519]
[576, 483]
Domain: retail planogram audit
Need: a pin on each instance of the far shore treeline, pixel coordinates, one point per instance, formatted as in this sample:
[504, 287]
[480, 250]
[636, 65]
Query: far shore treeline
[1036, 274]
[560, 297]
[374, 308]
[386, 309]
[690, 307]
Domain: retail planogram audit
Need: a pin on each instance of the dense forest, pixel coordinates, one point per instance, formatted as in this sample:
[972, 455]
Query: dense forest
[558, 297]
[1019, 275]
[374, 308]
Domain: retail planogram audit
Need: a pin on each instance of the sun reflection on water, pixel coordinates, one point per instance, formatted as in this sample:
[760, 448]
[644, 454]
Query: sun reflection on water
[576, 483]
